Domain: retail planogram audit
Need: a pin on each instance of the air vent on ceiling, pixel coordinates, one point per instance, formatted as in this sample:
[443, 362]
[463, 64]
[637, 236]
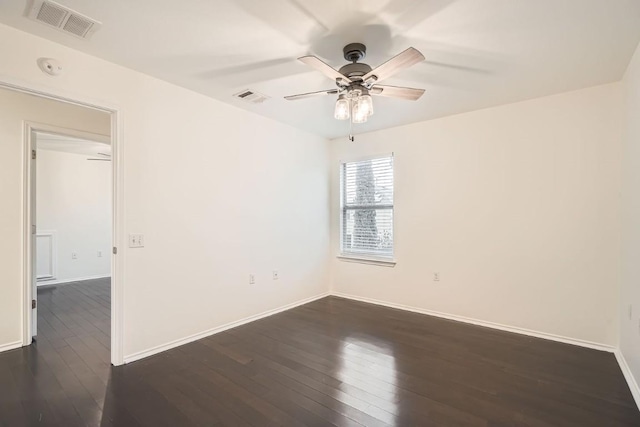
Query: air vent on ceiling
[251, 96]
[64, 19]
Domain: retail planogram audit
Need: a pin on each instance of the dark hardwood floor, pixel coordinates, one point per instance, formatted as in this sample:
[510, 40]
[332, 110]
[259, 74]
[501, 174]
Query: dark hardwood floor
[330, 362]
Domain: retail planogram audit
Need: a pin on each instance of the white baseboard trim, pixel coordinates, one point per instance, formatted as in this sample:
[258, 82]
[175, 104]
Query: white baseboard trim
[10, 346]
[176, 343]
[514, 329]
[628, 375]
[75, 279]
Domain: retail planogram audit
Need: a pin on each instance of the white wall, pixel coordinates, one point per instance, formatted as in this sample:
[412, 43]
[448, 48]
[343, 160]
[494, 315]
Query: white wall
[218, 193]
[15, 108]
[517, 208]
[630, 283]
[74, 200]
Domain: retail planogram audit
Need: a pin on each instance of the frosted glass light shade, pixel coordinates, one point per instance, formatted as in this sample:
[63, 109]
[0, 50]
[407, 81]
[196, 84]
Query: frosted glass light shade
[359, 114]
[366, 104]
[342, 108]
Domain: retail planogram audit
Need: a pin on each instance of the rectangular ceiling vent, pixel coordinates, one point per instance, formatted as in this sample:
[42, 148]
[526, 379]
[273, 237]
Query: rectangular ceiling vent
[62, 18]
[251, 96]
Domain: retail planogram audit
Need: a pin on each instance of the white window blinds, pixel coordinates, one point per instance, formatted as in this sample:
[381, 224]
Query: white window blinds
[367, 207]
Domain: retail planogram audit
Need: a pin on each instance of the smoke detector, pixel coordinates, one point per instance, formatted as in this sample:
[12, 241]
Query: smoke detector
[251, 96]
[62, 18]
[50, 66]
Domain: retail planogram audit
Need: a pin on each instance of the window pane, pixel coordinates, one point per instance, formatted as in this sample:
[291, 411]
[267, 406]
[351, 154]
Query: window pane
[369, 182]
[368, 231]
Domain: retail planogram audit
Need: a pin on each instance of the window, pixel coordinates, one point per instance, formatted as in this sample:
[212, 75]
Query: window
[367, 208]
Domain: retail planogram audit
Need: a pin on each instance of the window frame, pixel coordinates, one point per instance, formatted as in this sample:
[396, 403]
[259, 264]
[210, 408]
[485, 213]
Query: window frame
[363, 257]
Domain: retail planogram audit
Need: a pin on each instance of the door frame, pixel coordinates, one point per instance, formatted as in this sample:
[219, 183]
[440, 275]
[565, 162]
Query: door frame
[117, 206]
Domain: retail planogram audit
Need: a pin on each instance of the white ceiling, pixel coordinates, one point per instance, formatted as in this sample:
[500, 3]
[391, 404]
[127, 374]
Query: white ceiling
[67, 144]
[478, 53]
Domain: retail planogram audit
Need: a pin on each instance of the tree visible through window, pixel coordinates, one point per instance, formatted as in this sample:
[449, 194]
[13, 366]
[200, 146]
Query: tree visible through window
[367, 207]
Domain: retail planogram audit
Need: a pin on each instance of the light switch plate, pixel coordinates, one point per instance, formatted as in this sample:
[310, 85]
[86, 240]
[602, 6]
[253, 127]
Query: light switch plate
[136, 240]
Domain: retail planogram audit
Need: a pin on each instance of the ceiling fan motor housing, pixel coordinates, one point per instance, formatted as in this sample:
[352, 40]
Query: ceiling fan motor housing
[355, 71]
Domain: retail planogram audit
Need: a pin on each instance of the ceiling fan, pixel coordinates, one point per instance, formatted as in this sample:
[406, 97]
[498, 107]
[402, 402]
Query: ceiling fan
[357, 81]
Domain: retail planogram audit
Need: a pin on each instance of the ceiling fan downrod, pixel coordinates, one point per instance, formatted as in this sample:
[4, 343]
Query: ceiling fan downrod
[354, 52]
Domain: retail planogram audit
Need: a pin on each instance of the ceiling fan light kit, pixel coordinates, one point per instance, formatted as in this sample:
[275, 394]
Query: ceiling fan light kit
[358, 115]
[365, 104]
[343, 108]
[357, 81]
[355, 104]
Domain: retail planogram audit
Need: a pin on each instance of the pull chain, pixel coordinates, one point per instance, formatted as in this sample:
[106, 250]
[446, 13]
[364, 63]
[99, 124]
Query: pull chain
[351, 138]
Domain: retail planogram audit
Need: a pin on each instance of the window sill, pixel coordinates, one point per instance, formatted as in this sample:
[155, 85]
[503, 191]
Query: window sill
[383, 262]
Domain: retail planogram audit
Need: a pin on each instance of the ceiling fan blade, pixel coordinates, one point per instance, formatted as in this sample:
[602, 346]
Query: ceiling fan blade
[398, 63]
[407, 93]
[324, 68]
[311, 94]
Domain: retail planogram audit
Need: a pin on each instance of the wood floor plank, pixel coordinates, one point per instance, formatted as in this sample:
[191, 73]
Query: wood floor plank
[330, 362]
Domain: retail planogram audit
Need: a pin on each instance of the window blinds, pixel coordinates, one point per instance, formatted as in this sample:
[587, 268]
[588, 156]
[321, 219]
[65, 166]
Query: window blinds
[367, 207]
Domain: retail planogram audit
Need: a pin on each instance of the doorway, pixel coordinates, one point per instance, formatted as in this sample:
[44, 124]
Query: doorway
[71, 193]
[28, 115]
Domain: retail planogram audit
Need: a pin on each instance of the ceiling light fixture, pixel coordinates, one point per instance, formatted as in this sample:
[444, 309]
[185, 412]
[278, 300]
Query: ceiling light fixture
[357, 81]
[366, 103]
[343, 107]
[360, 114]
[354, 103]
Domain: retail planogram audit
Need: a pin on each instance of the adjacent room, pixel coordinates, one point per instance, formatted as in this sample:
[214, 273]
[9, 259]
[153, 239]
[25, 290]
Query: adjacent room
[302, 213]
[73, 209]
[72, 253]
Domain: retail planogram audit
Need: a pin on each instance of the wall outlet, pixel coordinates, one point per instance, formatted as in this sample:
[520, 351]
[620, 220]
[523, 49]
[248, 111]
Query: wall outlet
[630, 311]
[252, 279]
[275, 274]
[436, 277]
[74, 255]
[99, 254]
[136, 240]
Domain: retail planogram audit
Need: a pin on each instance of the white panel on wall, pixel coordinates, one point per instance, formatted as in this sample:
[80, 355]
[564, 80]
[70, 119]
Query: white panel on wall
[46, 255]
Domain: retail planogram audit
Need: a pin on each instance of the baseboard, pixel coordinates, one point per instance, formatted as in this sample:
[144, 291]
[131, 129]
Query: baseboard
[176, 343]
[514, 329]
[10, 346]
[628, 375]
[76, 279]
